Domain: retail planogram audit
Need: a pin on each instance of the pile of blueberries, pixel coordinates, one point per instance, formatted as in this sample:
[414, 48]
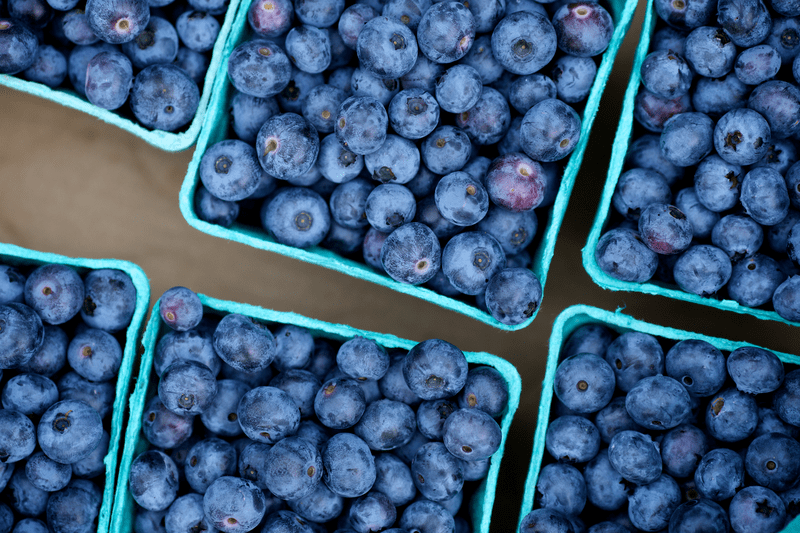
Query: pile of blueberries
[418, 136]
[690, 440]
[280, 431]
[152, 54]
[61, 340]
[711, 198]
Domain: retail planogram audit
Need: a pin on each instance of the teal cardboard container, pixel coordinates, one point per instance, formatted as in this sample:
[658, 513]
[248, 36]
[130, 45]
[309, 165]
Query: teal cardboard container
[135, 443]
[22, 257]
[165, 140]
[215, 129]
[568, 321]
[620, 148]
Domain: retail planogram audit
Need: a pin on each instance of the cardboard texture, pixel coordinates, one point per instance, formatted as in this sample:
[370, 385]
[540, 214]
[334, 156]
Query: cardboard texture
[216, 128]
[165, 140]
[568, 321]
[620, 148]
[17, 256]
[483, 499]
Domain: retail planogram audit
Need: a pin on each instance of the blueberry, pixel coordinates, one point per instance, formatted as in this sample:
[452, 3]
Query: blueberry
[687, 138]
[651, 506]
[99, 395]
[574, 78]
[699, 515]
[471, 259]
[349, 465]
[372, 246]
[446, 32]
[764, 196]
[637, 189]
[12, 285]
[30, 525]
[193, 63]
[710, 52]
[666, 74]
[348, 201]
[191, 345]
[608, 527]
[634, 356]
[287, 146]
[386, 425]
[157, 44]
[717, 96]
[321, 104]
[248, 113]
[584, 29]
[270, 18]
[459, 88]
[786, 299]
[446, 150]
[757, 64]
[589, 338]
[431, 416]
[53, 292]
[213, 210]
[635, 456]
[423, 74]
[362, 359]
[163, 428]
[427, 517]
[738, 236]
[397, 161]
[197, 30]
[437, 474]
[51, 356]
[413, 114]
[561, 487]
[297, 216]
[95, 355]
[784, 37]
[220, 416]
[622, 254]
[71, 509]
[372, 512]
[339, 403]
[234, 505]
[698, 365]
[187, 388]
[779, 103]
[293, 469]
[461, 199]
[702, 270]
[78, 62]
[352, 22]
[524, 42]
[665, 229]
[386, 47]
[731, 415]
[118, 21]
[550, 130]
[110, 300]
[268, 414]
[755, 370]
[701, 218]
[49, 67]
[294, 346]
[259, 68]
[24, 497]
[230, 170]
[321, 505]
[301, 385]
[772, 461]
[338, 164]
[572, 439]
[411, 254]
[513, 295]
[309, 48]
[207, 461]
[164, 97]
[682, 449]
[17, 436]
[717, 183]
[514, 231]
[485, 389]
[545, 521]
[741, 137]
[366, 84]
[584, 382]
[153, 480]
[781, 155]
[488, 120]
[758, 510]
[645, 152]
[186, 514]
[361, 124]
[605, 487]
[746, 22]
[652, 111]
[29, 394]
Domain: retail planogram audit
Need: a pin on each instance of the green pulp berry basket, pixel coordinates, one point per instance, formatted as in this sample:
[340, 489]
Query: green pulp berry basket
[620, 148]
[135, 443]
[216, 129]
[165, 140]
[567, 322]
[21, 257]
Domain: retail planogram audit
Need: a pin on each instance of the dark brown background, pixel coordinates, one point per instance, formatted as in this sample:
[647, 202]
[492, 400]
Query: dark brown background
[76, 186]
